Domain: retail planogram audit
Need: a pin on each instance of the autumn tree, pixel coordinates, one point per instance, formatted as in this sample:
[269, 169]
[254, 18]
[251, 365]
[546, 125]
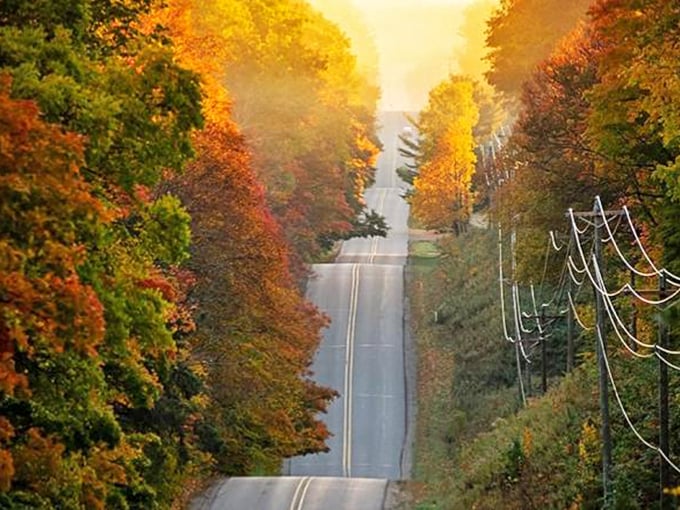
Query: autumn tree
[445, 158]
[350, 20]
[473, 30]
[522, 33]
[52, 322]
[634, 122]
[108, 402]
[547, 158]
[306, 112]
[256, 334]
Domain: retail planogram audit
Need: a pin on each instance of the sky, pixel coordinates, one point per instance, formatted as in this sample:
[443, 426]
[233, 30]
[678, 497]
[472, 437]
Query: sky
[387, 3]
[417, 41]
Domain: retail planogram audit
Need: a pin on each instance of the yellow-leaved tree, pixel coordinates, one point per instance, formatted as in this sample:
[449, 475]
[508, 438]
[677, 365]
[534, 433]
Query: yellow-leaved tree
[442, 196]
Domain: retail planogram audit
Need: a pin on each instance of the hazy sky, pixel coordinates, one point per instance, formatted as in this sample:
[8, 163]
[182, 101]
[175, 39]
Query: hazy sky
[387, 3]
[416, 40]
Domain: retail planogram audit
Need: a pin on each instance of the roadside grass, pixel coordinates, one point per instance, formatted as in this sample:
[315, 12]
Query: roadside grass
[474, 446]
[419, 250]
[435, 368]
[463, 380]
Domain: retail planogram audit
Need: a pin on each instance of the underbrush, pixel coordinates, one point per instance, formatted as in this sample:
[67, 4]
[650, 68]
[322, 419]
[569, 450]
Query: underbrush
[465, 373]
[476, 447]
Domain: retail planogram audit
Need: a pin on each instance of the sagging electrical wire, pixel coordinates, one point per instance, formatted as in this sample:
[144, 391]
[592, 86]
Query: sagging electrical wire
[521, 315]
[617, 323]
[559, 291]
[612, 239]
[571, 266]
[539, 326]
[671, 276]
[518, 331]
[627, 287]
[576, 315]
[502, 286]
[623, 409]
[517, 342]
[554, 242]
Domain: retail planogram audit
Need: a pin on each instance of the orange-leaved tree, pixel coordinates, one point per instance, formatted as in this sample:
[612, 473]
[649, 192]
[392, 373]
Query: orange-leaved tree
[51, 320]
[111, 400]
[306, 112]
[547, 157]
[256, 333]
[521, 34]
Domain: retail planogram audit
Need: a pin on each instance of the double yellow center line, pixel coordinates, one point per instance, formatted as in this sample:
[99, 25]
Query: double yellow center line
[300, 493]
[349, 367]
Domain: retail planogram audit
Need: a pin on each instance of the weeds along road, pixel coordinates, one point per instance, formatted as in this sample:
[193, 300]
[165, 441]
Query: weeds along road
[363, 356]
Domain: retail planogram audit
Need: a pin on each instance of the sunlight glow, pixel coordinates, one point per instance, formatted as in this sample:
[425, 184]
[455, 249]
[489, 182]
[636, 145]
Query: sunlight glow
[419, 43]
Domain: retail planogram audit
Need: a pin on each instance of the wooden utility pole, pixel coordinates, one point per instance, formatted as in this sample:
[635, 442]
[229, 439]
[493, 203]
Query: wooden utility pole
[570, 333]
[605, 432]
[602, 368]
[544, 353]
[570, 318]
[633, 315]
[664, 443]
[527, 370]
[515, 304]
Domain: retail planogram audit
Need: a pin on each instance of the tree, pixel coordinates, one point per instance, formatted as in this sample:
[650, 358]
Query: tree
[350, 20]
[442, 198]
[109, 276]
[256, 334]
[53, 406]
[522, 33]
[548, 159]
[306, 112]
[634, 122]
[473, 30]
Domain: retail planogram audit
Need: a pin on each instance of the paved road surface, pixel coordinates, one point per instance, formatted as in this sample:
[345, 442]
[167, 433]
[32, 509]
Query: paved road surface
[295, 493]
[362, 356]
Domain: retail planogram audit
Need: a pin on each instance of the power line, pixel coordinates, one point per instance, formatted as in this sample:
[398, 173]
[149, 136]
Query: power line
[576, 315]
[616, 321]
[641, 247]
[623, 409]
[577, 269]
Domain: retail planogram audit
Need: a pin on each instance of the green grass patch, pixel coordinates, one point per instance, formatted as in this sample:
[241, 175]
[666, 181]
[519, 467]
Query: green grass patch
[424, 249]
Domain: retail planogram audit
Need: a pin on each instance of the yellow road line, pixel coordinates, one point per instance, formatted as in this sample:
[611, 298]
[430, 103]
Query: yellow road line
[300, 493]
[349, 368]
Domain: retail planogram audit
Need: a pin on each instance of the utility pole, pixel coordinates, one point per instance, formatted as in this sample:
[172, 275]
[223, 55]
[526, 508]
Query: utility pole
[570, 315]
[527, 369]
[633, 314]
[602, 367]
[570, 331]
[544, 353]
[664, 443]
[515, 299]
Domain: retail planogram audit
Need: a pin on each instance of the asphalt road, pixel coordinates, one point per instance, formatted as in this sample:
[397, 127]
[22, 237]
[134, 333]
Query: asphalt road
[295, 493]
[362, 355]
